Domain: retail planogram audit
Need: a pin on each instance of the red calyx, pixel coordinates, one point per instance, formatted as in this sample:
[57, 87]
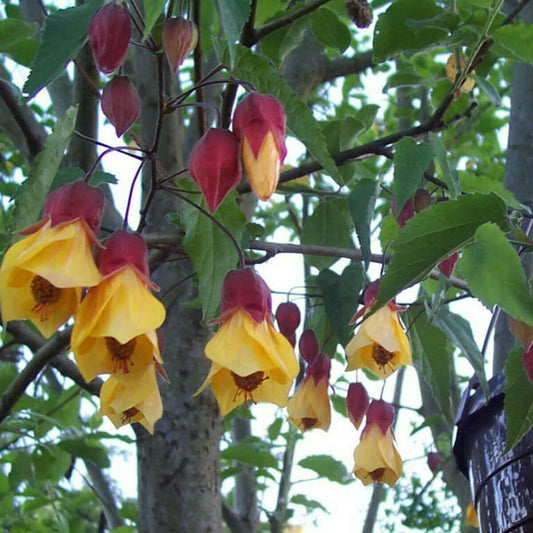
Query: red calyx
[371, 293]
[379, 413]
[308, 345]
[528, 362]
[179, 40]
[247, 290]
[288, 318]
[215, 165]
[109, 36]
[121, 249]
[256, 115]
[76, 200]
[320, 368]
[121, 103]
[447, 265]
[433, 461]
[357, 401]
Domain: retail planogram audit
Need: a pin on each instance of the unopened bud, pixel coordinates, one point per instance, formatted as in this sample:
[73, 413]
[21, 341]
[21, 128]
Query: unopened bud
[371, 293]
[447, 265]
[406, 212]
[121, 103]
[215, 165]
[288, 318]
[109, 36]
[180, 37]
[308, 345]
[422, 200]
[433, 461]
[357, 401]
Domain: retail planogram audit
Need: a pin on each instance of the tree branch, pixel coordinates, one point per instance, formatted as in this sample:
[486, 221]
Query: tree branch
[344, 66]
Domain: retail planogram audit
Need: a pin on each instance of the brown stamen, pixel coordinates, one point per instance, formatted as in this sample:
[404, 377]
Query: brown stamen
[121, 353]
[382, 357]
[44, 294]
[377, 474]
[247, 384]
[128, 414]
[309, 423]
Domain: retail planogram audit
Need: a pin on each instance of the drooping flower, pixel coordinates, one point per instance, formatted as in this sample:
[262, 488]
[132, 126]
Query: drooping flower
[109, 36]
[357, 401]
[132, 399]
[180, 37]
[376, 458]
[251, 360]
[215, 165]
[115, 327]
[43, 274]
[310, 406]
[471, 516]
[380, 344]
[259, 122]
[120, 103]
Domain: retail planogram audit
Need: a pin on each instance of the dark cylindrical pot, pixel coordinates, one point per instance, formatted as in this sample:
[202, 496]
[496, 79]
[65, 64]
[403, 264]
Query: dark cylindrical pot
[501, 484]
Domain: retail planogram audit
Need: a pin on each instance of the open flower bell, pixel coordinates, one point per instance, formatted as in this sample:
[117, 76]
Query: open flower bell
[43, 274]
[380, 344]
[259, 122]
[130, 399]
[251, 360]
[376, 458]
[115, 327]
[310, 407]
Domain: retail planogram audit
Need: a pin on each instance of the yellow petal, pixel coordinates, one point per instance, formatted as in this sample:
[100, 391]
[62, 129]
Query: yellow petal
[244, 347]
[311, 402]
[263, 172]
[471, 516]
[451, 72]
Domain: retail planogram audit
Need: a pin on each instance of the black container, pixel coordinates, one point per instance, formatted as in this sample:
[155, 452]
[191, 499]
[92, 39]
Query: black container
[501, 485]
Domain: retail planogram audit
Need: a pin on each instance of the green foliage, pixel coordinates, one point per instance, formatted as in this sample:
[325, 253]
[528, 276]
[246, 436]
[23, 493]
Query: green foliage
[518, 402]
[329, 30]
[233, 17]
[64, 34]
[327, 467]
[16, 40]
[33, 191]
[152, 12]
[515, 42]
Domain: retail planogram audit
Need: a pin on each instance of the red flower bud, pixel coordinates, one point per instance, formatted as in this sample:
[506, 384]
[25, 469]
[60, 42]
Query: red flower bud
[422, 200]
[121, 103]
[179, 40]
[406, 213]
[433, 461]
[357, 401]
[381, 414]
[123, 248]
[75, 200]
[247, 290]
[308, 346]
[259, 122]
[320, 368]
[215, 165]
[447, 265]
[371, 293]
[109, 36]
[288, 318]
[528, 362]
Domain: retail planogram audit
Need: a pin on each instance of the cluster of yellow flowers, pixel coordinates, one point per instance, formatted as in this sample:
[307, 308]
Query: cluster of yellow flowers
[51, 275]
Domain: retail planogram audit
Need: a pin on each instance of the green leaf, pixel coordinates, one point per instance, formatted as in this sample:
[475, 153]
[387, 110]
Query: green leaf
[249, 455]
[492, 93]
[329, 30]
[470, 182]
[431, 357]
[310, 505]
[64, 34]
[69, 174]
[16, 40]
[210, 249]
[432, 235]
[460, 334]
[152, 11]
[266, 79]
[448, 173]
[34, 189]
[274, 429]
[233, 17]
[518, 402]
[50, 463]
[411, 26]
[86, 449]
[514, 41]
[327, 467]
[361, 204]
[341, 298]
[494, 273]
[327, 226]
[410, 162]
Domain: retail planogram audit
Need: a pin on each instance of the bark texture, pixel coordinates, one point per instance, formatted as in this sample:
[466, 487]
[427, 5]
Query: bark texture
[178, 465]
